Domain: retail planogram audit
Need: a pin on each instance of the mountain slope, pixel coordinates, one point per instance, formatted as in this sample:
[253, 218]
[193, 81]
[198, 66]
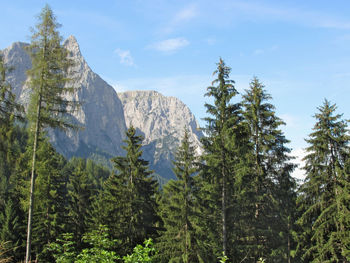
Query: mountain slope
[101, 114]
[162, 121]
[105, 115]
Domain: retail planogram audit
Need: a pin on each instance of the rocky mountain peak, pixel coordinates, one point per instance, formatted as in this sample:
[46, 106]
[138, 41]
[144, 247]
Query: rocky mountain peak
[72, 45]
[101, 114]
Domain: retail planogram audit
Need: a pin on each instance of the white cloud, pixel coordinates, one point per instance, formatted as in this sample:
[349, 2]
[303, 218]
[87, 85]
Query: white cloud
[125, 57]
[170, 45]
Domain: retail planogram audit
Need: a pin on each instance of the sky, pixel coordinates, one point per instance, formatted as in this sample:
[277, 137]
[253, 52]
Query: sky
[300, 50]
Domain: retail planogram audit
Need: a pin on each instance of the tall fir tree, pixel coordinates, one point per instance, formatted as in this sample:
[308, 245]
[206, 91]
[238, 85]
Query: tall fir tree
[180, 242]
[47, 80]
[324, 197]
[220, 145]
[127, 205]
[270, 193]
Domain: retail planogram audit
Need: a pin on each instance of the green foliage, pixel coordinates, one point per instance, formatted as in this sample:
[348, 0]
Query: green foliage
[65, 251]
[100, 249]
[220, 159]
[179, 242]
[48, 104]
[324, 197]
[101, 246]
[47, 77]
[267, 191]
[4, 252]
[127, 205]
[81, 192]
[12, 139]
[223, 258]
[142, 254]
[51, 195]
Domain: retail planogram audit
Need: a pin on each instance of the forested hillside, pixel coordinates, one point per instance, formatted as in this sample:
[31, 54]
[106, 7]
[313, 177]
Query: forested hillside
[233, 201]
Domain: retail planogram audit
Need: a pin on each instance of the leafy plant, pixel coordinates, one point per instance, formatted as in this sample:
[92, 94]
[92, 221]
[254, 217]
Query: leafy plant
[141, 253]
[223, 258]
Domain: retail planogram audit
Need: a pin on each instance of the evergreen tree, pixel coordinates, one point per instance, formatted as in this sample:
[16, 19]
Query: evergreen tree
[47, 81]
[179, 242]
[270, 193]
[220, 157]
[324, 197]
[11, 146]
[128, 202]
[81, 192]
[50, 216]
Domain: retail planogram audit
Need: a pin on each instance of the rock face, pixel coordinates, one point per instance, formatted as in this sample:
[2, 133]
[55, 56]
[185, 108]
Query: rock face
[19, 61]
[162, 121]
[101, 114]
[105, 115]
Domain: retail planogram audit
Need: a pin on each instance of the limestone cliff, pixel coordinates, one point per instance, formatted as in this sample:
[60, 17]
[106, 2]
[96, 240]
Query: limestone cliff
[162, 121]
[101, 113]
[105, 115]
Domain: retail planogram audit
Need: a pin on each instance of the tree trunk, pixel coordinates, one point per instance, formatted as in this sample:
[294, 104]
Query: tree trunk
[223, 211]
[288, 248]
[32, 181]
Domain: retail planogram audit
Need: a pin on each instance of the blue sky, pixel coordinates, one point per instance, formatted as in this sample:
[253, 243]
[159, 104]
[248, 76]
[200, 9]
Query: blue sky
[300, 50]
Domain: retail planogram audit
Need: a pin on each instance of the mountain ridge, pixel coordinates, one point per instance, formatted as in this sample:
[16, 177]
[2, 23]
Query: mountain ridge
[106, 114]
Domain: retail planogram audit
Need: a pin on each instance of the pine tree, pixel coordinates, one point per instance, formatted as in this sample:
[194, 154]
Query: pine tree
[220, 159]
[271, 187]
[128, 201]
[47, 81]
[180, 242]
[325, 195]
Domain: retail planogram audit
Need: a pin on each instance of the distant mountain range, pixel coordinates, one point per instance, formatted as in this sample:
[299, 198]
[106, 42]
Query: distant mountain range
[106, 114]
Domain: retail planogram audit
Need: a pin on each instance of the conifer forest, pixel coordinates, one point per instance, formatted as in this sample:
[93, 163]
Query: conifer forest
[235, 202]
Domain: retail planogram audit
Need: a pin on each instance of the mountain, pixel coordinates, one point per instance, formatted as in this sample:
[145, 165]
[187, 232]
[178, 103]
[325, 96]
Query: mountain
[105, 115]
[101, 113]
[162, 121]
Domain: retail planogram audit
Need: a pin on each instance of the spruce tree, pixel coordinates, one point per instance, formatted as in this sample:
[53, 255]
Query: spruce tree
[324, 197]
[50, 210]
[180, 242]
[47, 79]
[270, 192]
[81, 192]
[220, 145]
[128, 201]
